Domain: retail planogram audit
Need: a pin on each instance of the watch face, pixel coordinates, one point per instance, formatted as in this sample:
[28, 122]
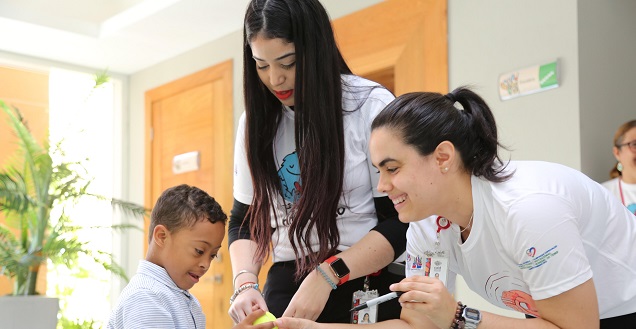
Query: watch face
[471, 313]
[339, 268]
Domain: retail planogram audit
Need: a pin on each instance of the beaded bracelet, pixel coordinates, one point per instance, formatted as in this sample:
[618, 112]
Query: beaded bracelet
[242, 288]
[459, 322]
[324, 275]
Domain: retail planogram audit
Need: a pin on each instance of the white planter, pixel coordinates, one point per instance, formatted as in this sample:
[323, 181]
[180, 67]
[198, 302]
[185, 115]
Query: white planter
[28, 312]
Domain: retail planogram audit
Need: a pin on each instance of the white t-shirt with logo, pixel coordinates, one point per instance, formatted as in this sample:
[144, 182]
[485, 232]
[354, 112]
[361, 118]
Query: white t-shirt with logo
[545, 231]
[356, 213]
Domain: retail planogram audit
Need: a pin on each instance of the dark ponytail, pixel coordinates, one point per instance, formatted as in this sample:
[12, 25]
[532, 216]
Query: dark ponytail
[425, 119]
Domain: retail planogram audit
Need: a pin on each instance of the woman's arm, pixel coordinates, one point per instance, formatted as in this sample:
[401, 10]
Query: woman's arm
[244, 269]
[575, 308]
[373, 252]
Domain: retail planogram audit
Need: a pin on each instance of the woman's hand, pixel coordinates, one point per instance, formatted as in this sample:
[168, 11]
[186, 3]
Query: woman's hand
[310, 299]
[428, 296]
[245, 303]
[295, 323]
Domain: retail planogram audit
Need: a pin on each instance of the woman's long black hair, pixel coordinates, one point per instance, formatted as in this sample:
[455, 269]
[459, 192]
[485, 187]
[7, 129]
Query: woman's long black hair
[318, 127]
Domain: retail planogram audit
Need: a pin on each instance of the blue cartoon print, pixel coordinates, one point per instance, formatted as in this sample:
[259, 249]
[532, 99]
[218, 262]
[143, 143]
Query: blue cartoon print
[289, 174]
[632, 208]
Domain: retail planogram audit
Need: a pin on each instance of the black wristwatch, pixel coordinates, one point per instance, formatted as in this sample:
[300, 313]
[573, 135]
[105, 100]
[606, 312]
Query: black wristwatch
[339, 269]
[472, 317]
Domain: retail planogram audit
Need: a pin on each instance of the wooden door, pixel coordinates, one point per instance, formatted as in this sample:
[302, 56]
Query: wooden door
[194, 114]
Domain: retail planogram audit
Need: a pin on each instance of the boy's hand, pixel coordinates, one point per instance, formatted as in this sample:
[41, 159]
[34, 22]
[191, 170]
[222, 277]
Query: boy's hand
[250, 318]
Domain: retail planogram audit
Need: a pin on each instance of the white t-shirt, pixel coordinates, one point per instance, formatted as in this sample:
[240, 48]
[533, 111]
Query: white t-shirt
[628, 195]
[356, 213]
[545, 231]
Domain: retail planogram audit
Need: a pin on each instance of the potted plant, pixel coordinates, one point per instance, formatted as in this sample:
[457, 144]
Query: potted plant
[30, 188]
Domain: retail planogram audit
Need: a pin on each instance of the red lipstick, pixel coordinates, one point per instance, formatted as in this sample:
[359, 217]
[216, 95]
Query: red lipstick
[283, 95]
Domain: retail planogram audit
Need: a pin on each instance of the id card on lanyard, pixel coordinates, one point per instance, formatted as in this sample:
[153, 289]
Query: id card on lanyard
[432, 262]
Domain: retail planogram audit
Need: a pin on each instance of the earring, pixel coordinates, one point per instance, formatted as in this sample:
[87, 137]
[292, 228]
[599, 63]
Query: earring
[619, 167]
[445, 169]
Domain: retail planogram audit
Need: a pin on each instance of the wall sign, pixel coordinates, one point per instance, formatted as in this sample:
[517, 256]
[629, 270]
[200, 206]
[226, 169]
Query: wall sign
[186, 162]
[529, 80]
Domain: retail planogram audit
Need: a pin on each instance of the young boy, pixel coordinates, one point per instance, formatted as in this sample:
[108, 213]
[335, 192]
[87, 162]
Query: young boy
[187, 227]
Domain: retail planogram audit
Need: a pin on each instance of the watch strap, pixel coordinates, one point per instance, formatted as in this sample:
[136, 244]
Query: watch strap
[470, 323]
[341, 279]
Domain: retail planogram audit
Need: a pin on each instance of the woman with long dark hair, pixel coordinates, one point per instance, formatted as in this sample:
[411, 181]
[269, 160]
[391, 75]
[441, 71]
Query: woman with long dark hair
[303, 182]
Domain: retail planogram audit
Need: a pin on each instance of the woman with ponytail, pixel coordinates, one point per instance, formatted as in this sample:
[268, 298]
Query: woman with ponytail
[534, 237]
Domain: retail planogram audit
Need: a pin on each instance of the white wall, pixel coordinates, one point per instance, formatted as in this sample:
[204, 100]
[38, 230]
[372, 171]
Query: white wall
[491, 37]
[607, 51]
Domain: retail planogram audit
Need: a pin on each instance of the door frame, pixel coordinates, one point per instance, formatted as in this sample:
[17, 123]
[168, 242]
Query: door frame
[400, 43]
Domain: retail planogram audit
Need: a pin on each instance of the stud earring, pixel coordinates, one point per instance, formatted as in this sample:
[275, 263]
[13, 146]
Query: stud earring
[619, 167]
[445, 169]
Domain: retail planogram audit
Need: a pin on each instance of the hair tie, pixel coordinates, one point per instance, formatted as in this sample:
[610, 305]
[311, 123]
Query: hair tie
[451, 97]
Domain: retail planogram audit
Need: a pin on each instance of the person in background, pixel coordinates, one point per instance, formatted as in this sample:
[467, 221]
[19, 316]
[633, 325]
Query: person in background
[531, 236]
[303, 180]
[187, 227]
[622, 181]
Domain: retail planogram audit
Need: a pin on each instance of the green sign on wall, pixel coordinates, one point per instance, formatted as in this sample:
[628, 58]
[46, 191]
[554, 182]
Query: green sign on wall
[529, 80]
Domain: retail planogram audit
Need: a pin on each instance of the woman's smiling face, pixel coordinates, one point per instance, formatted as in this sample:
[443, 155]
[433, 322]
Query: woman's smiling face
[276, 66]
[410, 179]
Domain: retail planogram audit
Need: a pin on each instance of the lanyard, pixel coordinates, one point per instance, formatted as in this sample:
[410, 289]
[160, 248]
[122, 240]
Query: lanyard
[620, 190]
[442, 224]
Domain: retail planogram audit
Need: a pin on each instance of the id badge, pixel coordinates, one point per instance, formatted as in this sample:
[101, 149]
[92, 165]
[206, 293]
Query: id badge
[367, 315]
[433, 263]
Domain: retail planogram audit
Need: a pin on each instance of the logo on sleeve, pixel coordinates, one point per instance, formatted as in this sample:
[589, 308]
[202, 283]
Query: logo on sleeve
[530, 252]
[539, 260]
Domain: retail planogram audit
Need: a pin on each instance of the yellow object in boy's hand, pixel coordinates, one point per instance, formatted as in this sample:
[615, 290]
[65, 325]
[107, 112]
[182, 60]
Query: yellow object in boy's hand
[267, 317]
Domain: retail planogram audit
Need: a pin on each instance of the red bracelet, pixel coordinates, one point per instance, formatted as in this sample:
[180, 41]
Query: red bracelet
[247, 282]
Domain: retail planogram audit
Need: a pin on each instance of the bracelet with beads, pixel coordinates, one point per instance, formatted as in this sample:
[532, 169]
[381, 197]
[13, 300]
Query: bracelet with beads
[243, 287]
[459, 322]
[327, 278]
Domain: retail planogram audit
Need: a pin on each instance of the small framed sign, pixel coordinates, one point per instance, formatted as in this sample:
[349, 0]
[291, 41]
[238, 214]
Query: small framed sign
[529, 80]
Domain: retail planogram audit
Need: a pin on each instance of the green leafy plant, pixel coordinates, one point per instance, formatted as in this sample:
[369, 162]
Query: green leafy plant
[31, 186]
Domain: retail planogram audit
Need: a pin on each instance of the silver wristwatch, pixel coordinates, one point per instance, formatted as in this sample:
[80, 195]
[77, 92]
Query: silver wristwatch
[472, 317]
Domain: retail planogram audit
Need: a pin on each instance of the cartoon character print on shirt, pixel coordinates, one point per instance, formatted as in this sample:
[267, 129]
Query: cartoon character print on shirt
[498, 287]
[291, 187]
[289, 174]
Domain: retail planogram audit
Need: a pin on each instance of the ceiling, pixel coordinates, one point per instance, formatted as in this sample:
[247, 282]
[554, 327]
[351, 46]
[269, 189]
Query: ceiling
[124, 36]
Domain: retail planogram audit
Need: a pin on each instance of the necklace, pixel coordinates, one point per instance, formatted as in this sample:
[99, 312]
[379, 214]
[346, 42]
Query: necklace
[470, 221]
